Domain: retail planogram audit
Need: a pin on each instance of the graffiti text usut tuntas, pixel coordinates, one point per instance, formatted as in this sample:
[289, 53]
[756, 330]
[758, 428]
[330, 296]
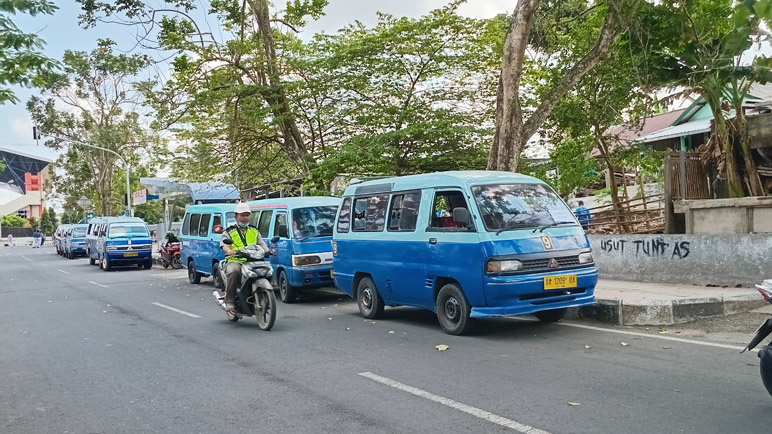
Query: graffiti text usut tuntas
[656, 247]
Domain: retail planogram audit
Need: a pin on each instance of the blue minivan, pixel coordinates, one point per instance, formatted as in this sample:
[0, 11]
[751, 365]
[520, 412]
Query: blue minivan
[200, 234]
[119, 241]
[466, 244]
[75, 240]
[300, 229]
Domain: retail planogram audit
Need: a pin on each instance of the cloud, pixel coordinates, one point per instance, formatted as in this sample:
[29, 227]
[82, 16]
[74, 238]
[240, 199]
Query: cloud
[21, 129]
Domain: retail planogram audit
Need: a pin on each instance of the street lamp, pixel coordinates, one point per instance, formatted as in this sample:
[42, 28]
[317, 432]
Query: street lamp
[125, 165]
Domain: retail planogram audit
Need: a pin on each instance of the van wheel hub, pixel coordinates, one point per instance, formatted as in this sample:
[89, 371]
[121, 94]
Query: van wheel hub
[452, 309]
[367, 298]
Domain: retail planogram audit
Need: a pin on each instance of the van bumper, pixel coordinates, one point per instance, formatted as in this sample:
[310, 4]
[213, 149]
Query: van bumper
[310, 277]
[118, 258]
[525, 294]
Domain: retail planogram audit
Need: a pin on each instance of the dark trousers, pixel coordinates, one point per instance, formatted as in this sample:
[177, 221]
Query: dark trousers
[232, 280]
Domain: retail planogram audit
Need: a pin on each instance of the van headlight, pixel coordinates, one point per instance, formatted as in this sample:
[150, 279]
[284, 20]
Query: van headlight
[110, 248]
[504, 266]
[585, 258]
[300, 261]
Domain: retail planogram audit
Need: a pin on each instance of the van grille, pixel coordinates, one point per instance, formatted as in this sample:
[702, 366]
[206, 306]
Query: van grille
[544, 263]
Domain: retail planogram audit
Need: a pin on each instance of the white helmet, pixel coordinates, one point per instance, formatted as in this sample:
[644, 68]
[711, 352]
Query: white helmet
[241, 208]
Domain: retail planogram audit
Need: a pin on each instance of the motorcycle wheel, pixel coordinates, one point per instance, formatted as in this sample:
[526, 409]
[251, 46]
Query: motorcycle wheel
[765, 365]
[265, 308]
[176, 262]
[216, 278]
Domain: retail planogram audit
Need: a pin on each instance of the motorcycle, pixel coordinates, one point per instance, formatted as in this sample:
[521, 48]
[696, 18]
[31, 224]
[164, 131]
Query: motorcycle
[765, 352]
[254, 296]
[170, 254]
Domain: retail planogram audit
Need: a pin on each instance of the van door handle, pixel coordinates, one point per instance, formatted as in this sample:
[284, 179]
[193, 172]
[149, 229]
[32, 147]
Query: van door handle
[432, 241]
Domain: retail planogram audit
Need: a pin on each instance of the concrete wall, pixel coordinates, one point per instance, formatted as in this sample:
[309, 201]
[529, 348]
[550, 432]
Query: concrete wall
[726, 216]
[724, 260]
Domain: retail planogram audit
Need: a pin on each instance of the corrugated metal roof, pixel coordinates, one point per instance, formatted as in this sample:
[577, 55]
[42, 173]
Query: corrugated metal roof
[685, 129]
[627, 133]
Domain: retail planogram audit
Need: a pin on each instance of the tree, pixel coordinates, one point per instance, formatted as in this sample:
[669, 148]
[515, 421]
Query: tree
[94, 101]
[48, 221]
[406, 96]
[516, 123]
[21, 62]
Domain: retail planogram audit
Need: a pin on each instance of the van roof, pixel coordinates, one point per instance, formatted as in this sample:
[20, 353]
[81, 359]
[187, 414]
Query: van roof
[295, 202]
[438, 179]
[211, 207]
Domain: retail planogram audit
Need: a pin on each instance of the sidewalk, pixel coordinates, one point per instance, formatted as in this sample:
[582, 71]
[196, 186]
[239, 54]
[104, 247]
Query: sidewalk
[638, 303]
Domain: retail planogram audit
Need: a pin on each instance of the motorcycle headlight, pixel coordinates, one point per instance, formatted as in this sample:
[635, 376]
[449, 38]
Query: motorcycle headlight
[585, 258]
[300, 261]
[504, 266]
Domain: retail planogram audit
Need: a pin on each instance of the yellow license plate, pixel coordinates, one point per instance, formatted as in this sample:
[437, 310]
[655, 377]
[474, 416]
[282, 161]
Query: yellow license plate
[129, 254]
[562, 281]
[331, 274]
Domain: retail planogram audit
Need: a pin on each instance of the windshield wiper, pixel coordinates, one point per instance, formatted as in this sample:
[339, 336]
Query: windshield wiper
[515, 225]
[541, 229]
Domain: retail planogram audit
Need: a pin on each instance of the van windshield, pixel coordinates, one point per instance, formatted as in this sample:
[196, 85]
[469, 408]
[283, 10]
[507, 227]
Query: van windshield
[127, 230]
[312, 222]
[520, 206]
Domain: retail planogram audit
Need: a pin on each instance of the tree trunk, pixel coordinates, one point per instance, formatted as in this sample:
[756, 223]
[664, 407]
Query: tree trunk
[512, 133]
[275, 95]
[751, 174]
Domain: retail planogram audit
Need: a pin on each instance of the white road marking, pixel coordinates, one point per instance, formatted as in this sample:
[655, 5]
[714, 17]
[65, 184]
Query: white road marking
[45, 265]
[646, 335]
[62, 271]
[482, 414]
[174, 309]
[98, 284]
[26, 258]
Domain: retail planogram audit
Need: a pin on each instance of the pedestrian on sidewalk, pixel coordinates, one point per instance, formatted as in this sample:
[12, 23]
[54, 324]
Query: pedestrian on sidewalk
[583, 215]
[36, 239]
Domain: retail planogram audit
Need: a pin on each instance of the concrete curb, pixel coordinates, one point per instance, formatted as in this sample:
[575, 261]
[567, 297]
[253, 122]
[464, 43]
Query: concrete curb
[665, 312]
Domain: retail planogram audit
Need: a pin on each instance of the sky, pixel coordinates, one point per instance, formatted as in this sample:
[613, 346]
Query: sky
[62, 32]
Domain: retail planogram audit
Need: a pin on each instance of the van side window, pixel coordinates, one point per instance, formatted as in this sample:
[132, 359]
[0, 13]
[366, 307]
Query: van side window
[404, 211]
[345, 215]
[203, 228]
[264, 223]
[195, 219]
[442, 212]
[280, 225]
[370, 213]
[217, 221]
[186, 225]
[254, 217]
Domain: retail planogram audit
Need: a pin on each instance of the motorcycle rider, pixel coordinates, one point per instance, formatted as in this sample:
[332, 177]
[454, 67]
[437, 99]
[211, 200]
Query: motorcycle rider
[242, 234]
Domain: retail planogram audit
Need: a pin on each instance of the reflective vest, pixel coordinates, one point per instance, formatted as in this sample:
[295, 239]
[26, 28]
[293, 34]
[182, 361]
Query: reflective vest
[250, 234]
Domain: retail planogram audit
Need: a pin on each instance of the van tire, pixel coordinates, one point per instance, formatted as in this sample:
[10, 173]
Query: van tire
[287, 292]
[369, 300]
[148, 264]
[106, 264]
[552, 315]
[453, 310]
[193, 276]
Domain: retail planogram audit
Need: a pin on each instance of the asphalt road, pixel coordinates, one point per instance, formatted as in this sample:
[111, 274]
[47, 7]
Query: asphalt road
[143, 351]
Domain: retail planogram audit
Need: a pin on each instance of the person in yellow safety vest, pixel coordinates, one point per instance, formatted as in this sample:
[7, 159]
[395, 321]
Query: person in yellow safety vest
[242, 234]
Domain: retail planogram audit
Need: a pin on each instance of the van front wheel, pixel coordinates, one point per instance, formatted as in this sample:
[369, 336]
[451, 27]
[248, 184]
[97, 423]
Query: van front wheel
[369, 301]
[287, 292]
[453, 310]
[193, 276]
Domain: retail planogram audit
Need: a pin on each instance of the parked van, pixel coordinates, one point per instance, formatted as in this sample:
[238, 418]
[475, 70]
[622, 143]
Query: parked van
[59, 238]
[92, 252]
[476, 244]
[200, 234]
[75, 240]
[123, 241]
[300, 229]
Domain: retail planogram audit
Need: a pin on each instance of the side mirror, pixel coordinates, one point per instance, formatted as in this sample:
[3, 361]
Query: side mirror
[217, 229]
[275, 239]
[228, 242]
[283, 231]
[461, 216]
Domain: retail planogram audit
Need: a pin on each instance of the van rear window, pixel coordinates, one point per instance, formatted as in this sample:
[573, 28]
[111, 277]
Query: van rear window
[370, 213]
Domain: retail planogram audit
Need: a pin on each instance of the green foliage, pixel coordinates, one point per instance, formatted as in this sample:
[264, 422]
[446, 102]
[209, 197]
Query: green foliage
[34, 223]
[14, 221]
[93, 102]
[21, 60]
[48, 221]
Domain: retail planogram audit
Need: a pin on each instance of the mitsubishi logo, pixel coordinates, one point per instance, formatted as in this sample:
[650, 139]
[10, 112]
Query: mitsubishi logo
[553, 263]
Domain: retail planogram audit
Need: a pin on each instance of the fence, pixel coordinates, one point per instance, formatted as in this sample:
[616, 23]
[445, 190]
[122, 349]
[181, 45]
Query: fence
[642, 215]
[16, 232]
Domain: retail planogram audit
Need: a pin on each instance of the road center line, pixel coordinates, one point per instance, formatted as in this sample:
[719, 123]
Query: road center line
[98, 284]
[62, 271]
[646, 335]
[482, 414]
[174, 309]
[26, 258]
